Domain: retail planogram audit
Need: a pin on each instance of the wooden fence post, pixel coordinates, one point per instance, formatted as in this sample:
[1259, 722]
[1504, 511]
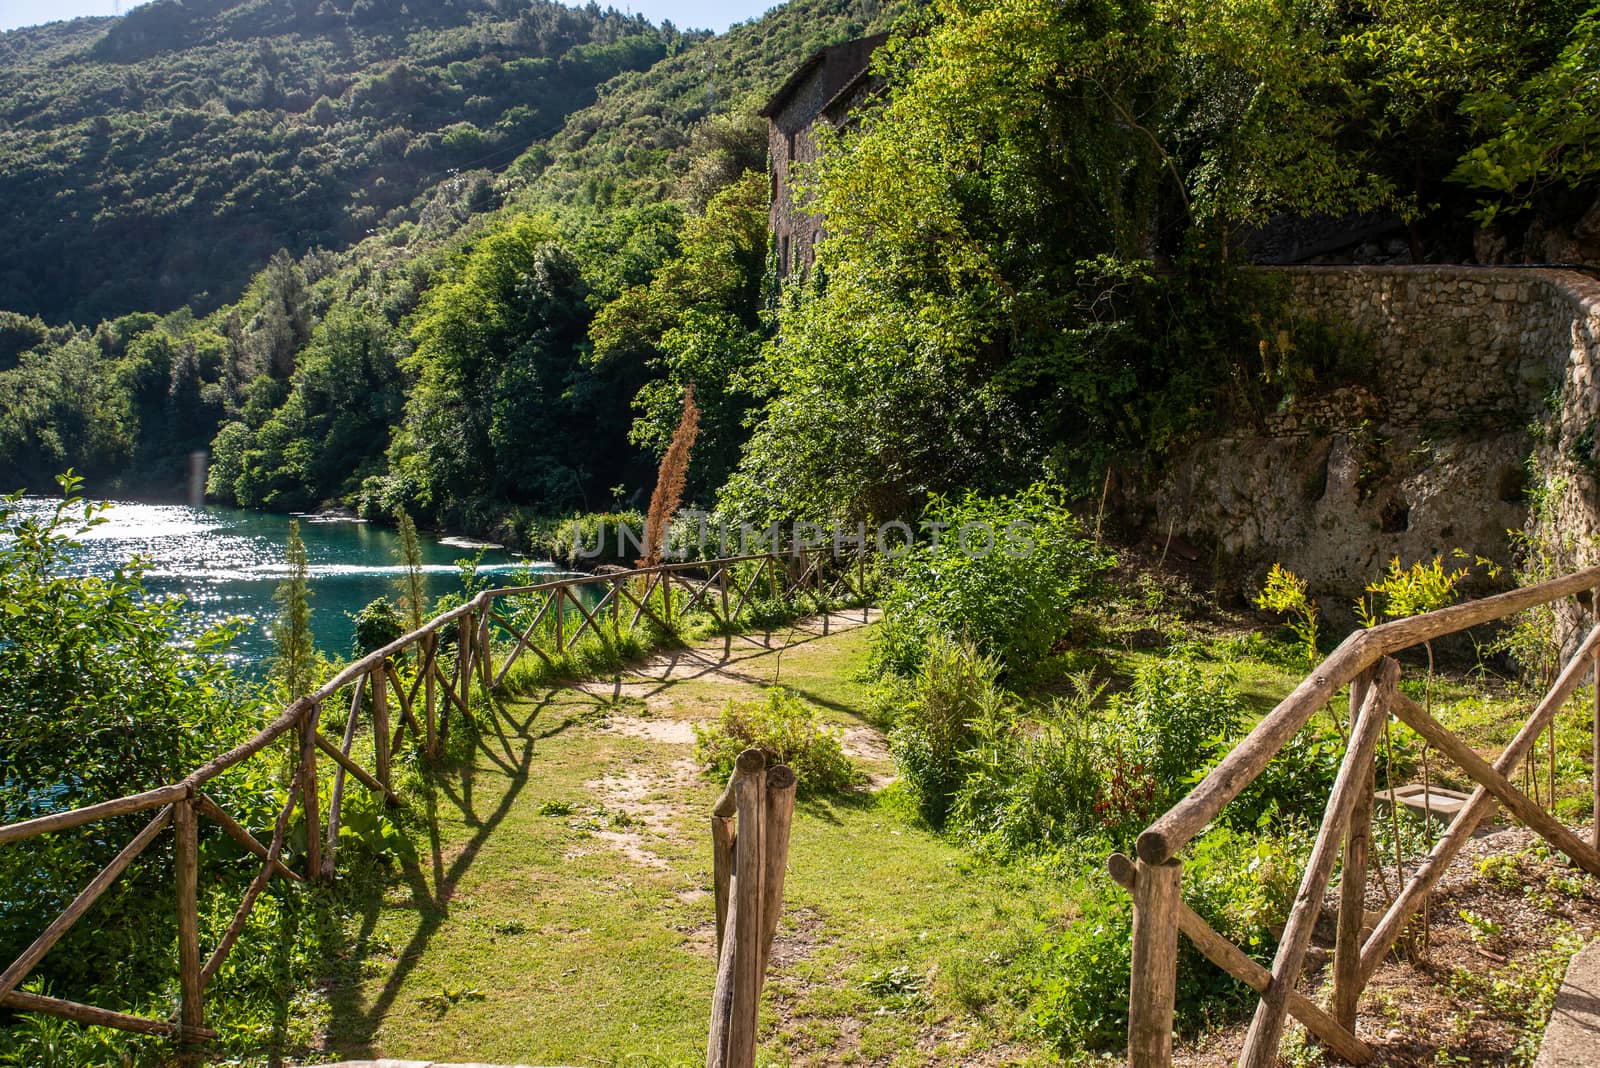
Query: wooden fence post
[429, 654]
[309, 801]
[1152, 991]
[186, 864]
[380, 724]
[738, 994]
[666, 598]
[779, 818]
[1353, 883]
[464, 661]
[485, 647]
[1594, 775]
[722, 838]
[561, 618]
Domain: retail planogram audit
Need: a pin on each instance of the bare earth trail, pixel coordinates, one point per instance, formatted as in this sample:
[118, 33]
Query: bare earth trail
[559, 911]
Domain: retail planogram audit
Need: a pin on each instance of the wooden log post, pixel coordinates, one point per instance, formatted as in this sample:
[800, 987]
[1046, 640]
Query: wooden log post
[429, 697]
[1353, 884]
[464, 653]
[779, 817]
[1153, 984]
[722, 839]
[186, 878]
[330, 854]
[560, 597]
[485, 647]
[666, 599]
[380, 723]
[737, 998]
[1266, 1029]
[722, 586]
[309, 801]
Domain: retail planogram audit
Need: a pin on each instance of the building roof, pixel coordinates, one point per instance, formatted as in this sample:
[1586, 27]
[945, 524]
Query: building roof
[843, 65]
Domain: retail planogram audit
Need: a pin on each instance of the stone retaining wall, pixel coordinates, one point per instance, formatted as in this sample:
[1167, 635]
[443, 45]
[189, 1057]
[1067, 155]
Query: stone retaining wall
[1467, 373]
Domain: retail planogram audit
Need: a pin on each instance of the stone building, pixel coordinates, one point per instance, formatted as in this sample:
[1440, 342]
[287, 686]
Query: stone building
[827, 88]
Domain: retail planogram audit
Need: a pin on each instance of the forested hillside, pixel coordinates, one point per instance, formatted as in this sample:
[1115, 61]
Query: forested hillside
[1032, 270]
[322, 362]
[160, 159]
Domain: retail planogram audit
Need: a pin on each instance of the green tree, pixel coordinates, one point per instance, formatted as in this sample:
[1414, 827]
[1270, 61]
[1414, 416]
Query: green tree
[504, 406]
[1540, 136]
[698, 322]
[105, 690]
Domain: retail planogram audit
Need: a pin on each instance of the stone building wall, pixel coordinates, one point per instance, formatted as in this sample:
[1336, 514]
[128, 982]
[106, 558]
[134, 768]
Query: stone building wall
[823, 89]
[1476, 394]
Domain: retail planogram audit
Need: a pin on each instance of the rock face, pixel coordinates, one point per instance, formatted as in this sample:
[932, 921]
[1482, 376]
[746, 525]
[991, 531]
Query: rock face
[1476, 396]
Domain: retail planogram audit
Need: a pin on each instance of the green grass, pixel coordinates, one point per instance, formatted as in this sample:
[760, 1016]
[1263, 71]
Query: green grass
[558, 910]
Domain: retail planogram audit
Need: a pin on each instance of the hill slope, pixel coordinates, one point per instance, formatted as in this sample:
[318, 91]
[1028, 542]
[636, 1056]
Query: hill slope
[159, 159]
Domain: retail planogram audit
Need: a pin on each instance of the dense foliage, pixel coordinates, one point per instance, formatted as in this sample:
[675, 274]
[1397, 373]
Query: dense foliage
[159, 160]
[1030, 267]
[303, 382]
[1004, 573]
[97, 701]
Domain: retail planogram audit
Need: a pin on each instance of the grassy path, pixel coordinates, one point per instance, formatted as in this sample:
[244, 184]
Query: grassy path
[559, 909]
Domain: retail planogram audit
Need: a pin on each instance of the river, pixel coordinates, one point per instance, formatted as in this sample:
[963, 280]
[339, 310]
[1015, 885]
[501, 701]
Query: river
[226, 562]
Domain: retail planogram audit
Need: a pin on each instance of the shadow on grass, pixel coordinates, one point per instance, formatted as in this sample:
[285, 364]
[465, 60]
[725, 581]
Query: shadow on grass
[432, 879]
[507, 736]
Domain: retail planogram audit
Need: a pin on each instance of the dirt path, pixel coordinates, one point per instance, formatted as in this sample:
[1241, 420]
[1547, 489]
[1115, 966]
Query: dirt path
[558, 908]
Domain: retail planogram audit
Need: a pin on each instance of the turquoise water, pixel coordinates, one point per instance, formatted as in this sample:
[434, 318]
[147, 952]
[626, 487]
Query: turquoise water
[227, 562]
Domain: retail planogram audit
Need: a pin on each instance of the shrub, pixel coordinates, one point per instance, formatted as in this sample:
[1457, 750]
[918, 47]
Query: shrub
[787, 730]
[1013, 596]
[1296, 782]
[1172, 724]
[956, 687]
[1033, 782]
[597, 538]
[105, 690]
[377, 624]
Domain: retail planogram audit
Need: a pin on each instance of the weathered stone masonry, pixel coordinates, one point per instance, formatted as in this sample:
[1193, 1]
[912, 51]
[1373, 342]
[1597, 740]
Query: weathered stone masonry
[1470, 372]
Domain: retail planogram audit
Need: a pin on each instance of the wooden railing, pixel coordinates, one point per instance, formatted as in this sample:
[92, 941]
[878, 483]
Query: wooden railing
[1364, 663]
[411, 684]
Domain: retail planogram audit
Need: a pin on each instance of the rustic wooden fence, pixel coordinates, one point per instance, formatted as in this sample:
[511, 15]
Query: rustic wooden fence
[408, 688]
[750, 854]
[1365, 663]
